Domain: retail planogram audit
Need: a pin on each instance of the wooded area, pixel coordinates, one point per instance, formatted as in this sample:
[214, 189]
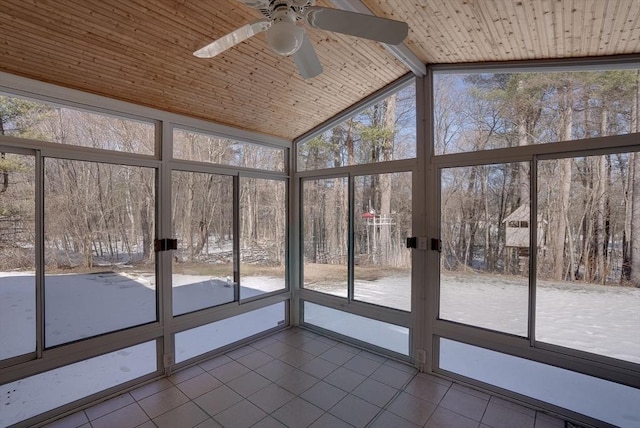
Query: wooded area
[101, 215]
[587, 223]
[382, 202]
[588, 219]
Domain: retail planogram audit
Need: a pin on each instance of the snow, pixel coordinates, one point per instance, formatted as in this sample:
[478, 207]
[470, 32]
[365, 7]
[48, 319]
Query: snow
[81, 306]
[605, 320]
[599, 319]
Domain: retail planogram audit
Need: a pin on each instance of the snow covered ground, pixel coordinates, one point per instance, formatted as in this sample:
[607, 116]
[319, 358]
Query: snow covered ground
[605, 320]
[81, 306]
[592, 318]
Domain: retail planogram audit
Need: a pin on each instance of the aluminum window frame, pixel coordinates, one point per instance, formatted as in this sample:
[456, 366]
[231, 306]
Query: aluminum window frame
[607, 368]
[408, 319]
[164, 328]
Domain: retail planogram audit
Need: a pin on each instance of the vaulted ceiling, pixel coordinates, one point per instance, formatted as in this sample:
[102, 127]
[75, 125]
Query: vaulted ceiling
[141, 51]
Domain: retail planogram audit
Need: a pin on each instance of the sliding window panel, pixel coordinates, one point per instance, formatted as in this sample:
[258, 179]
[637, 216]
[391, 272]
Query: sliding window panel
[99, 259]
[382, 223]
[484, 264]
[325, 231]
[588, 274]
[263, 234]
[203, 268]
[17, 255]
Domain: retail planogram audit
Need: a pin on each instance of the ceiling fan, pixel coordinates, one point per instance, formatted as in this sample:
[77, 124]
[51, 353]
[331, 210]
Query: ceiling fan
[286, 35]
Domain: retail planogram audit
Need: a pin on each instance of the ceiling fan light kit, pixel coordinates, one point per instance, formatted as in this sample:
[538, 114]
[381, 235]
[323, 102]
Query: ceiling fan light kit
[286, 35]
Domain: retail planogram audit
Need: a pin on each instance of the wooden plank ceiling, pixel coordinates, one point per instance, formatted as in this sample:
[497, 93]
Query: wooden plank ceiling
[141, 51]
[459, 31]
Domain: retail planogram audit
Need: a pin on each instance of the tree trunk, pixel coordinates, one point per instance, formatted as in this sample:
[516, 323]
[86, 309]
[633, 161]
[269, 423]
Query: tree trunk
[602, 205]
[564, 180]
[385, 180]
[523, 140]
[634, 195]
[634, 263]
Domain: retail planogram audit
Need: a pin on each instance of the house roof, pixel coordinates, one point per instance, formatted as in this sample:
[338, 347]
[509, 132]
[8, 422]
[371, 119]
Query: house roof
[141, 51]
[522, 213]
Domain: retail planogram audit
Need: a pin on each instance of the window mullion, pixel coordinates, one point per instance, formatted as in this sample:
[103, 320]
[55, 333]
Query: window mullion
[236, 238]
[533, 247]
[39, 243]
[350, 237]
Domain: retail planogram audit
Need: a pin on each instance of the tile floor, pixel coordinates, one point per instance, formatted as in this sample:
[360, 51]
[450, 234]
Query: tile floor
[298, 379]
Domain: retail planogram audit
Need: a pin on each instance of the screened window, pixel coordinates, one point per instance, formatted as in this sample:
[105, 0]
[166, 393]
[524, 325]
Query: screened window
[325, 235]
[203, 147]
[383, 132]
[480, 111]
[484, 262]
[38, 120]
[17, 255]
[203, 268]
[99, 259]
[263, 236]
[588, 267]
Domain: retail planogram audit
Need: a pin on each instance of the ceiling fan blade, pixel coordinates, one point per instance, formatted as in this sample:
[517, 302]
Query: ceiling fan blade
[306, 59]
[230, 40]
[357, 24]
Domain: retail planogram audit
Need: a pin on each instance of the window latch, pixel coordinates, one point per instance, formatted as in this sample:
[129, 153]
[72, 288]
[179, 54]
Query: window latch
[165, 244]
[417, 242]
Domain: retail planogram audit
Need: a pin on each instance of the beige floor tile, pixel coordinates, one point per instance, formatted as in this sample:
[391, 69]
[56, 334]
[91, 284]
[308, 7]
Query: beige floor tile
[391, 376]
[241, 415]
[345, 379]
[297, 413]
[464, 404]
[355, 411]
[498, 416]
[426, 389]
[108, 406]
[186, 416]
[389, 420]
[163, 401]
[219, 399]
[329, 421]
[185, 374]
[443, 418]
[128, 417]
[248, 384]
[375, 392]
[412, 408]
[323, 395]
[150, 389]
[271, 398]
[201, 384]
